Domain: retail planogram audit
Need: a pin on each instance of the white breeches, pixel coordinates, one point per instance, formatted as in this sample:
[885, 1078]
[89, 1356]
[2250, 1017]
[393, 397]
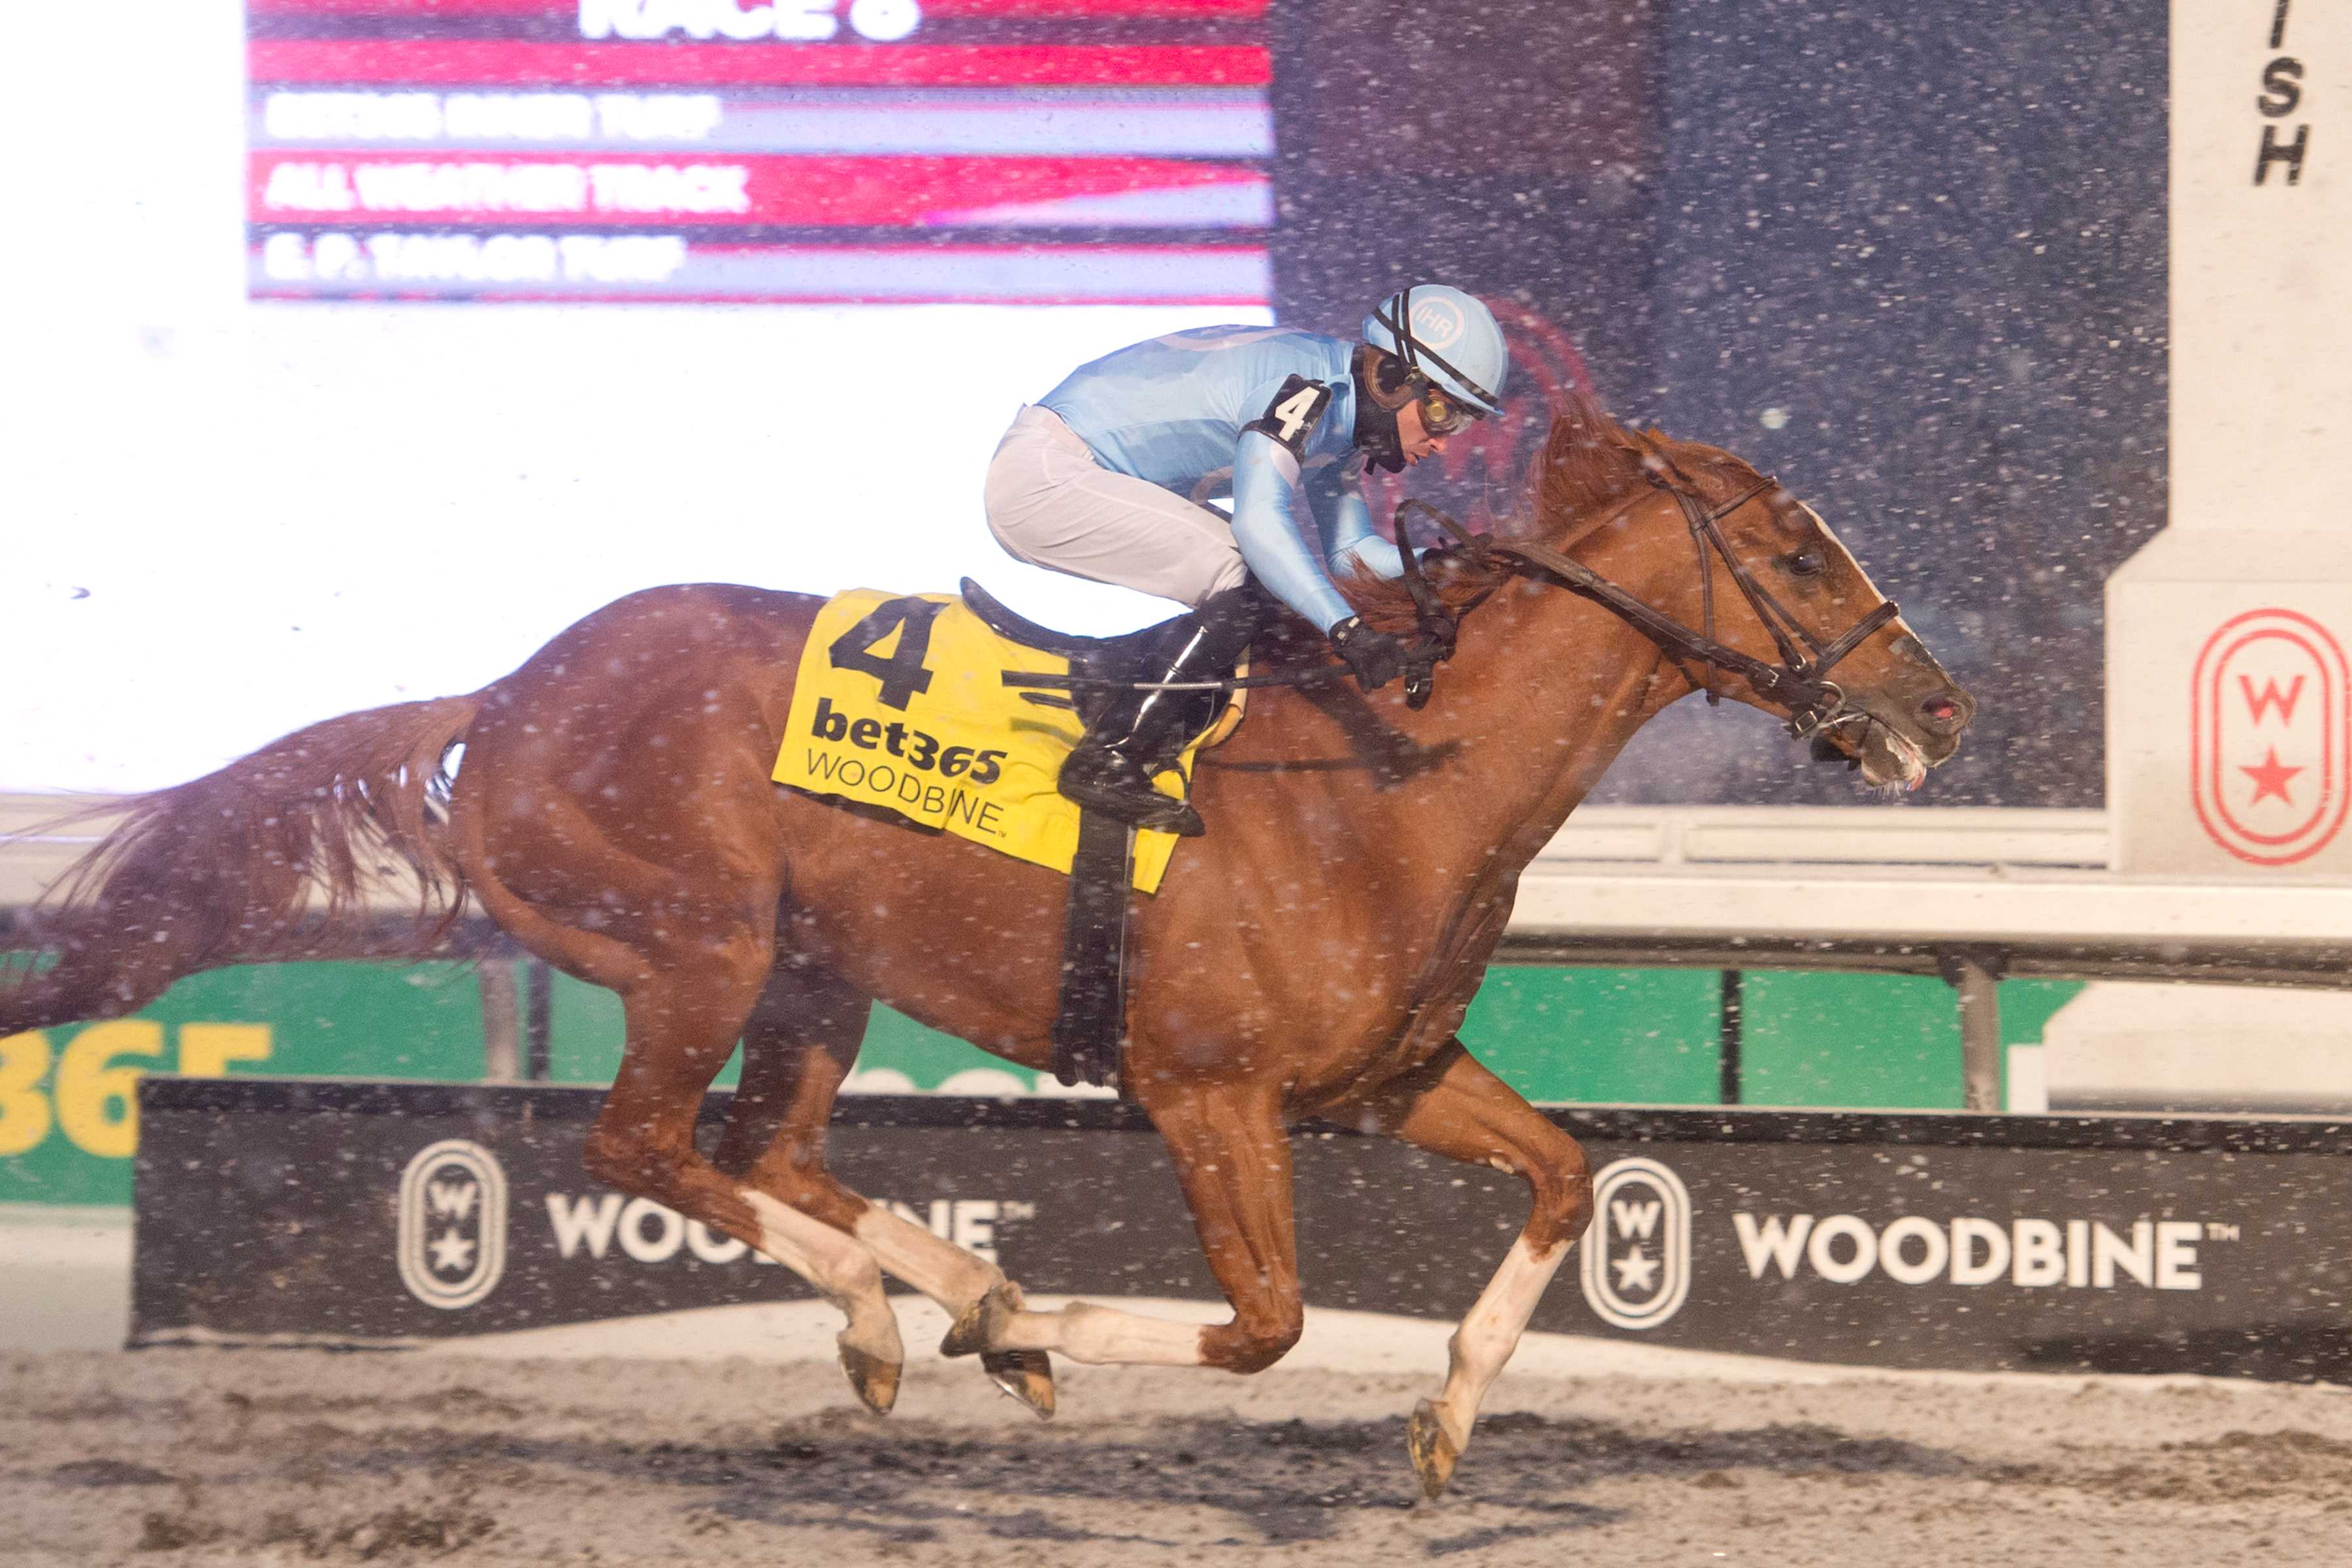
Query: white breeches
[1050, 503]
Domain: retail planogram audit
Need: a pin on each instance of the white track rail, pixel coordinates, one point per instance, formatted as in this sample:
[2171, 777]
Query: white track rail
[2036, 883]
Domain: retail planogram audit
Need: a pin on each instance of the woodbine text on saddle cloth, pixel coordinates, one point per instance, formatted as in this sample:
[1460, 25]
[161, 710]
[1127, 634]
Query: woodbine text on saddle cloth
[899, 703]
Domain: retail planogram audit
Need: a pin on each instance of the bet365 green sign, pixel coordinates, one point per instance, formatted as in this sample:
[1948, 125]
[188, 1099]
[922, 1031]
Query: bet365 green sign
[68, 1112]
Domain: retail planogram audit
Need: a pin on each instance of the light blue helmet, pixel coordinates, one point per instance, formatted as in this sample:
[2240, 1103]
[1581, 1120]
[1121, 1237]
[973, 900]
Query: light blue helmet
[1446, 335]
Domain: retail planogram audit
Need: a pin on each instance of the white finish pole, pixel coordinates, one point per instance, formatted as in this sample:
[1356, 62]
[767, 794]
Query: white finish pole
[2229, 692]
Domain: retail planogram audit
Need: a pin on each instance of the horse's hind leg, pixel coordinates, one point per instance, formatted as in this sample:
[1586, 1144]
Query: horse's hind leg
[1454, 1107]
[683, 1020]
[1233, 1159]
[798, 1047]
[1231, 1153]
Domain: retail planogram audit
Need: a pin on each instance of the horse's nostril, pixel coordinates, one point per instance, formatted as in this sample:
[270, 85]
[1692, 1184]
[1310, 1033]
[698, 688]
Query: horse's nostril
[1940, 708]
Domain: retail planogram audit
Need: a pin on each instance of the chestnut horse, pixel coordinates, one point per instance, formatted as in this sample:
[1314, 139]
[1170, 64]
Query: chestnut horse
[1313, 955]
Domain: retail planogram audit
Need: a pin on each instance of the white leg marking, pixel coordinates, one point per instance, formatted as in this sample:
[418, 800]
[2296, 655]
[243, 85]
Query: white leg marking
[837, 1264]
[1485, 1342]
[940, 1269]
[1104, 1336]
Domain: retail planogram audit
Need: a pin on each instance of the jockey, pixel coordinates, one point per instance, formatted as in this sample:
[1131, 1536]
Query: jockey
[1107, 478]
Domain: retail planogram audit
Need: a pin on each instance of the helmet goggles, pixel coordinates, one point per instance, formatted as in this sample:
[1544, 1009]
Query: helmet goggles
[1442, 413]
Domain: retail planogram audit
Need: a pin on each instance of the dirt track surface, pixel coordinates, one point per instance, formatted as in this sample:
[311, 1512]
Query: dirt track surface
[293, 1456]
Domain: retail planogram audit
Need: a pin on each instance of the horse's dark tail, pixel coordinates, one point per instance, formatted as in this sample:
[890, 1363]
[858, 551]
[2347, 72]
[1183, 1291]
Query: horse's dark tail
[283, 854]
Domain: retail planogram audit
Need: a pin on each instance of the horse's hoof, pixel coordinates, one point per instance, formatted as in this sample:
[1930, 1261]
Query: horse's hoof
[874, 1380]
[967, 1335]
[1025, 1375]
[1434, 1453]
[982, 1322]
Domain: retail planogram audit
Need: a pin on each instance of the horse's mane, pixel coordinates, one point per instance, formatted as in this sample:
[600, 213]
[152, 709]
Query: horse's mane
[1589, 462]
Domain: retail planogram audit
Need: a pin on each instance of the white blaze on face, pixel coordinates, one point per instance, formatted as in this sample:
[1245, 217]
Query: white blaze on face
[1829, 534]
[1911, 765]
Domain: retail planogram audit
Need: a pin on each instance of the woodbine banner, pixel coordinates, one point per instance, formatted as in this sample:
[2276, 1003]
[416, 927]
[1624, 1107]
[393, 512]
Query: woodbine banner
[357, 1213]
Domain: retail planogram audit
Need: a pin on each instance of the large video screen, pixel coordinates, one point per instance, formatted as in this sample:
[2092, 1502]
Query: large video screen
[1028, 151]
[543, 302]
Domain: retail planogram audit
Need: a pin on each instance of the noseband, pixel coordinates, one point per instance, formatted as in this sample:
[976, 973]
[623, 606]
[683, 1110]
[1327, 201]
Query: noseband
[1798, 683]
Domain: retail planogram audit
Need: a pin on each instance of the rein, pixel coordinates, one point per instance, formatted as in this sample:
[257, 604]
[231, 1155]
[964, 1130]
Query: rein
[1798, 682]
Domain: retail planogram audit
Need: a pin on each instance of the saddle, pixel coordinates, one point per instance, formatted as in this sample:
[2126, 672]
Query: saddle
[1128, 657]
[1090, 1025]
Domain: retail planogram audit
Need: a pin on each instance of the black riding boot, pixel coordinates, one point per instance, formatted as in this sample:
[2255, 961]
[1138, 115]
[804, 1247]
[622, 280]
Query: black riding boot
[1110, 771]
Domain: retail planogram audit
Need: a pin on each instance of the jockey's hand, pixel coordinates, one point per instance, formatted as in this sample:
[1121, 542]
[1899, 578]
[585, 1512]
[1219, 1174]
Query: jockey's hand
[1373, 656]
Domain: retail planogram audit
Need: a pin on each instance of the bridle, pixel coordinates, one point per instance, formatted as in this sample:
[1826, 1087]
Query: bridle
[1816, 705]
[1798, 683]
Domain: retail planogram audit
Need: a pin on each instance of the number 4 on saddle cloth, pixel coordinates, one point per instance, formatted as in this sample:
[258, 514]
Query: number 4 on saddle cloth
[899, 703]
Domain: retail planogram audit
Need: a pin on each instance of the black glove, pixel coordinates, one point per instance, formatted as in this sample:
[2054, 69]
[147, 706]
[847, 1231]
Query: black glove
[1373, 656]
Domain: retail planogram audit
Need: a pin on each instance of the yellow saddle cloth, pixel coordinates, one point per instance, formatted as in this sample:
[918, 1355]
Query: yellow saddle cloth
[899, 704]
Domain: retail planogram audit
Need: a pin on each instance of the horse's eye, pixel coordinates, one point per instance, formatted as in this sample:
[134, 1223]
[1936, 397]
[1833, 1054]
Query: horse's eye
[1807, 563]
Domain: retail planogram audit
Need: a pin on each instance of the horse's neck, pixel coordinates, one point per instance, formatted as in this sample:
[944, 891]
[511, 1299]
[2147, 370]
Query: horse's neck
[1548, 689]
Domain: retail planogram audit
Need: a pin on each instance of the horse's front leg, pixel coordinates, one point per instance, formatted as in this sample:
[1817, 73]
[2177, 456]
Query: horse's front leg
[1233, 1159]
[1451, 1106]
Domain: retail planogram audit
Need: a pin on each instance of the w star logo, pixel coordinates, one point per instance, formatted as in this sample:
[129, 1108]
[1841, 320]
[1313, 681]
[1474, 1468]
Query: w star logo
[1637, 1267]
[2270, 737]
[452, 1238]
